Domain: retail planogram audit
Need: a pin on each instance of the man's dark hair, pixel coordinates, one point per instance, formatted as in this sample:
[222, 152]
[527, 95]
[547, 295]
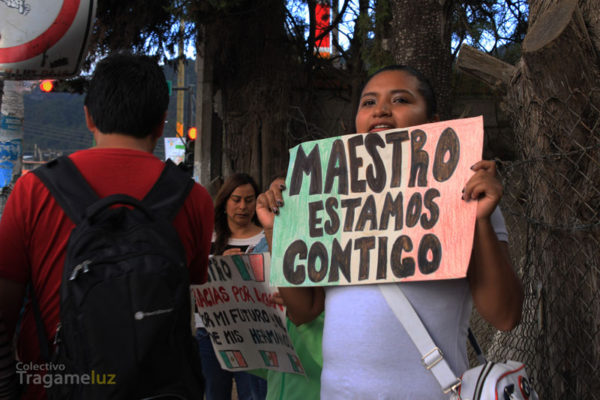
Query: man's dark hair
[128, 94]
[425, 88]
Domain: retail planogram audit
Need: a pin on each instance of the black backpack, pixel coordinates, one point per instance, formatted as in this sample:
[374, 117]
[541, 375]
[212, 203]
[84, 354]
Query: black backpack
[124, 330]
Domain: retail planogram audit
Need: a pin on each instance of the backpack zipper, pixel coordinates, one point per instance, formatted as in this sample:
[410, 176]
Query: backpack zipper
[84, 266]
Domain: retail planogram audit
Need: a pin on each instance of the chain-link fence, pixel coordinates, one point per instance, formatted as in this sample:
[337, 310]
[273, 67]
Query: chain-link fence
[552, 208]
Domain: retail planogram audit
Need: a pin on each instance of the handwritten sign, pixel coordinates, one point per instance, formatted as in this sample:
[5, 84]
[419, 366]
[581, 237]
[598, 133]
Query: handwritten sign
[247, 330]
[378, 207]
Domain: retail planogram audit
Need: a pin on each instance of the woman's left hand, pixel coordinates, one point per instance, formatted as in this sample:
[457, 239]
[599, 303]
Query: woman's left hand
[495, 288]
[485, 187]
[277, 299]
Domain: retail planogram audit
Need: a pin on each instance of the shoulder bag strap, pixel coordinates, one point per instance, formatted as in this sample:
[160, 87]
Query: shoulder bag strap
[431, 355]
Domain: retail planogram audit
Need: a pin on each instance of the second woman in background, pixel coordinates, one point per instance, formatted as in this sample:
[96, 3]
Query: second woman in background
[237, 231]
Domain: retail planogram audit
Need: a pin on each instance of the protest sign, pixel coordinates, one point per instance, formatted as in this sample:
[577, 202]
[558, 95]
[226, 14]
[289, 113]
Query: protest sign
[378, 207]
[247, 330]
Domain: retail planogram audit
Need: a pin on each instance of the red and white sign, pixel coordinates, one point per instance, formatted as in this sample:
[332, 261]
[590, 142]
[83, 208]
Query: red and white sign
[323, 19]
[44, 38]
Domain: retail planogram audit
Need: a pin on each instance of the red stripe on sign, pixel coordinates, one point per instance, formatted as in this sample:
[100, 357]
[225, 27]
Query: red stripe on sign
[49, 38]
[240, 359]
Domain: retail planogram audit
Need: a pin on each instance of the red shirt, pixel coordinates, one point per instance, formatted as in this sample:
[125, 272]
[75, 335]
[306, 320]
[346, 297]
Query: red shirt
[34, 229]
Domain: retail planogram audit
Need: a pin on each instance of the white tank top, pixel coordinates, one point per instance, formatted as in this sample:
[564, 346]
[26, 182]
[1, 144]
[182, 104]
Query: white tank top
[367, 354]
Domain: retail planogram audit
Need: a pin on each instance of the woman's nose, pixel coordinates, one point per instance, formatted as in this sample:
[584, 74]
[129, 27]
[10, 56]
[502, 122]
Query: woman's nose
[382, 109]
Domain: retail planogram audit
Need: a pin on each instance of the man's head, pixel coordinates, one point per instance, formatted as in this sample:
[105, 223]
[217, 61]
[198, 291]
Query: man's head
[128, 94]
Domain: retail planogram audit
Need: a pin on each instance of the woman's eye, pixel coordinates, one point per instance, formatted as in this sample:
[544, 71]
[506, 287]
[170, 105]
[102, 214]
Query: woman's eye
[367, 103]
[400, 100]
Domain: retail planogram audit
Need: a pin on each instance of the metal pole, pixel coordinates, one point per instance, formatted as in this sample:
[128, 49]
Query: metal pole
[11, 136]
[180, 83]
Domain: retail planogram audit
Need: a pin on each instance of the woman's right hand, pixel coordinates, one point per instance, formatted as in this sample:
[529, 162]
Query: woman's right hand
[232, 251]
[269, 202]
[303, 304]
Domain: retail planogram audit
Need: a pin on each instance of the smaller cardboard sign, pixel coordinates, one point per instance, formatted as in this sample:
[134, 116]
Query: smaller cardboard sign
[247, 330]
[44, 39]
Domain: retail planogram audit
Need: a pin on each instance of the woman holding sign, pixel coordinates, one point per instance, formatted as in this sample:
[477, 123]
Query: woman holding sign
[366, 351]
[237, 231]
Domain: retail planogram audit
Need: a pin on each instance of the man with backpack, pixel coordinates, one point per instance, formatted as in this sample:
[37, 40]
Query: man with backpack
[102, 246]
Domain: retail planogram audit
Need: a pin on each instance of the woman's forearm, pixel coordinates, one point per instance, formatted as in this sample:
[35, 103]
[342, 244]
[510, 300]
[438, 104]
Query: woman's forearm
[495, 287]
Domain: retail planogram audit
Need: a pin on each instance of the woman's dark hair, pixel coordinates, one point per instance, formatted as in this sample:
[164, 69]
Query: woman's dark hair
[425, 88]
[222, 231]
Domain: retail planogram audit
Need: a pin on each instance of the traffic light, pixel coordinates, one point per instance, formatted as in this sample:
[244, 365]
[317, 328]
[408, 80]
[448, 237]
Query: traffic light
[189, 148]
[192, 133]
[47, 85]
[76, 85]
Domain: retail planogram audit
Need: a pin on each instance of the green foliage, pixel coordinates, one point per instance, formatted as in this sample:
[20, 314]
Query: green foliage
[374, 53]
[151, 26]
[77, 85]
[143, 26]
[490, 25]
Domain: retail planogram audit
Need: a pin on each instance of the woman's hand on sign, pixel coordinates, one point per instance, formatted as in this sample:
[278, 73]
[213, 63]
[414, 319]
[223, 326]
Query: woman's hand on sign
[269, 202]
[277, 299]
[232, 251]
[485, 187]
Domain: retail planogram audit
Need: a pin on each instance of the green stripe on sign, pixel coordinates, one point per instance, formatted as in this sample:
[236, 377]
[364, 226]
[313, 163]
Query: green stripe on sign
[226, 359]
[242, 268]
[302, 211]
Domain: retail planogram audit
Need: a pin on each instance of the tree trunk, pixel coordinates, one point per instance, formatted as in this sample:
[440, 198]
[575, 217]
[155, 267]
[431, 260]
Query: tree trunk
[493, 72]
[355, 64]
[591, 11]
[204, 146]
[253, 78]
[558, 93]
[555, 103]
[422, 40]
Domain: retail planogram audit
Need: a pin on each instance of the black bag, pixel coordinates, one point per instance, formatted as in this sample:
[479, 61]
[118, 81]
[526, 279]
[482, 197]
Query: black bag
[124, 330]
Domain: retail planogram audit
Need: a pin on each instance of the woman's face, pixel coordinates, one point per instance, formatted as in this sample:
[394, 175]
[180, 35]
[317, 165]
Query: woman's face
[391, 99]
[241, 205]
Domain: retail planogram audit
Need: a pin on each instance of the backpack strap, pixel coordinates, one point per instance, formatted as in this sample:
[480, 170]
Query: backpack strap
[68, 187]
[169, 192]
[73, 194]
